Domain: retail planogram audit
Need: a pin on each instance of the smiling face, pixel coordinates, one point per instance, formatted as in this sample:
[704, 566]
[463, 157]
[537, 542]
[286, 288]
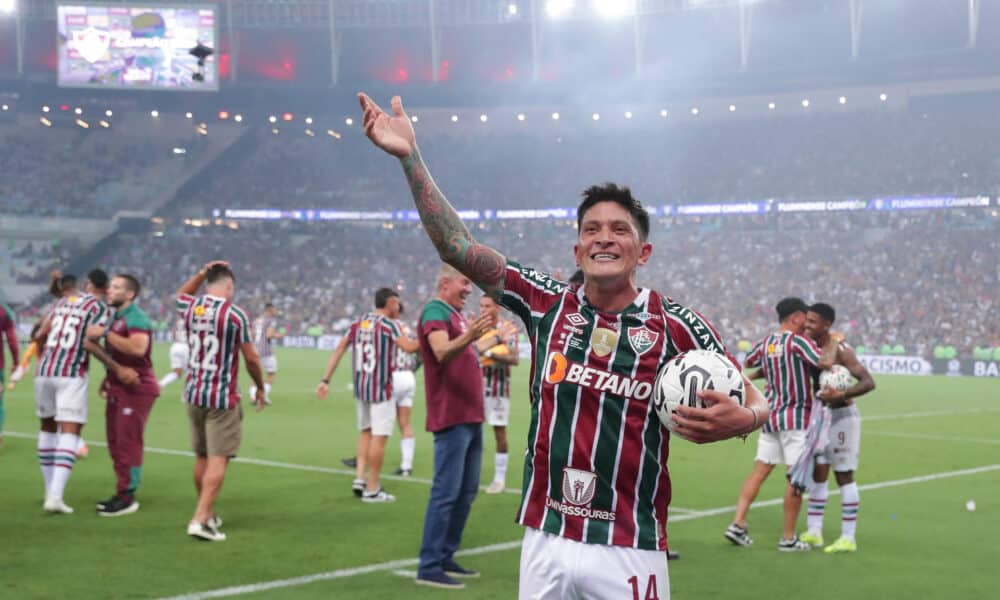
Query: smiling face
[609, 246]
[455, 289]
[119, 292]
[816, 326]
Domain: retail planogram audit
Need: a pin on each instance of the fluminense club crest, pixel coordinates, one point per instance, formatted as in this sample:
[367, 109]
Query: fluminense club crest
[642, 339]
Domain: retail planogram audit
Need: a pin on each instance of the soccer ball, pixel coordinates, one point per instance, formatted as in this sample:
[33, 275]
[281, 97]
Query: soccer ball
[837, 377]
[680, 380]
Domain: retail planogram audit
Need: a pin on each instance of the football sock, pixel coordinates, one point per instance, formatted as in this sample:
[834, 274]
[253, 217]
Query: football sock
[168, 379]
[850, 498]
[65, 458]
[500, 467]
[46, 456]
[407, 446]
[818, 493]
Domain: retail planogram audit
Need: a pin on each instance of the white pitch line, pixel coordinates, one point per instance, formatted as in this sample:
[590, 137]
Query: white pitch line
[405, 573]
[941, 413]
[401, 564]
[935, 437]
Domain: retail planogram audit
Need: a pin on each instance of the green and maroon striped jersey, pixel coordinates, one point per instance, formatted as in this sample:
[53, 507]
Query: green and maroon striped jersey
[405, 361]
[596, 464]
[787, 360]
[374, 340]
[496, 376]
[64, 355]
[216, 328]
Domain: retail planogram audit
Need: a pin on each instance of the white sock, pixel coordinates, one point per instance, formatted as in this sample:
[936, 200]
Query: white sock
[46, 451]
[850, 498]
[267, 390]
[168, 379]
[64, 461]
[407, 446]
[500, 467]
[253, 392]
[818, 493]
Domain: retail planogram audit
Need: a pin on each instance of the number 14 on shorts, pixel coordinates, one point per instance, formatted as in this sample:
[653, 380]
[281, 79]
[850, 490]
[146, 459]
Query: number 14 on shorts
[650, 585]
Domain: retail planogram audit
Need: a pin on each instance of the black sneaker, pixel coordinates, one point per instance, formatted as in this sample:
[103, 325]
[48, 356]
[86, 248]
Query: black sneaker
[350, 463]
[673, 555]
[738, 535]
[453, 569]
[101, 505]
[119, 505]
[402, 472]
[439, 580]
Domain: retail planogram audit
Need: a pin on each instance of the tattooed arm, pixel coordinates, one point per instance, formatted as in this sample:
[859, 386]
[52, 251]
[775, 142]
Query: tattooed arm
[456, 246]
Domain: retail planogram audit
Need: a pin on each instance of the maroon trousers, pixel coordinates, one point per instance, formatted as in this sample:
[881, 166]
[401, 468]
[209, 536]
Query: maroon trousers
[125, 421]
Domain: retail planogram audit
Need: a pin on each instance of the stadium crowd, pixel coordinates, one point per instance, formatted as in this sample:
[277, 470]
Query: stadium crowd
[925, 281]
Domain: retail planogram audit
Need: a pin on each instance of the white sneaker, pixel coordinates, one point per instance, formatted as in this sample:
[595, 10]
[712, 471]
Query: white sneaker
[358, 487]
[215, 522]
[17, 375]
[378, 496]
[496, 487]
[57, 506]
[204, 531]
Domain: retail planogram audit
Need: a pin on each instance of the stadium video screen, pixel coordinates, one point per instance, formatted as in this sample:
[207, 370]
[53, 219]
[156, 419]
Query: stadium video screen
[136, 47]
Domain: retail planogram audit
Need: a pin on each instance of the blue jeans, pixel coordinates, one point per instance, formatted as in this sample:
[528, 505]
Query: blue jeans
[458, 453]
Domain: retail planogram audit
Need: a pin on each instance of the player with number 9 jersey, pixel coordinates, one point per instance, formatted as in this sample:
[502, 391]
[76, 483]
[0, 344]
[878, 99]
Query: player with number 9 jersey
[215, 330]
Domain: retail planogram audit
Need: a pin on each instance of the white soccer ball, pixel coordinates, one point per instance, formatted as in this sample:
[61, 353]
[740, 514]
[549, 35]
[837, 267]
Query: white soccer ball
[836, 377]
[680, 380]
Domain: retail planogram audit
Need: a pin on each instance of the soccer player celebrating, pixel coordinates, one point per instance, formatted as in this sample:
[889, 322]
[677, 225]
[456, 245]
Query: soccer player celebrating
[375, 337]
[786, 359]
[404, 386]
[844, 439]
[265, 331]
[61, 385]
[129, 342]
[7, 329]
[218, 331]
[497, 360]
[596, 488]
[179, 354]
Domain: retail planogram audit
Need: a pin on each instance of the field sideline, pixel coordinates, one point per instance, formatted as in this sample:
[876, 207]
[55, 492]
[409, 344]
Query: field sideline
[295, 530]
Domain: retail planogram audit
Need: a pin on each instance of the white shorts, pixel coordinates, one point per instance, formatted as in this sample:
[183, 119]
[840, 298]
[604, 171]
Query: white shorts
[379, 417]
[179, 354]
[497, 410]
[556, 568]
[270, 363]
[64, 398]
[404, 385]
[844, 444]
[781, 447]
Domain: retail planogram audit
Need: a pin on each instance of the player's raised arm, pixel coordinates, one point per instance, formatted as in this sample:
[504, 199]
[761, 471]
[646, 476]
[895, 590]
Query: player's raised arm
[394, 133]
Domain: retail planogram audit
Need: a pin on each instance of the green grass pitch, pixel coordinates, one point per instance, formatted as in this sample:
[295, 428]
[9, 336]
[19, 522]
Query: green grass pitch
[289, 511]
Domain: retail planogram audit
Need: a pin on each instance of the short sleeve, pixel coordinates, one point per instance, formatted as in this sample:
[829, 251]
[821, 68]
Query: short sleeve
[756, 355]
[184, 302]
[529, 293]
[689, 330]
[806, 349]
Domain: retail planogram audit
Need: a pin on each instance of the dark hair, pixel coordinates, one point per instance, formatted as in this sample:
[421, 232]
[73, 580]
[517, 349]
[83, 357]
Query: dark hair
[98, 278]
[400, 308]
[622, 196]
[825, 311]
[217, 273]
[382, 296]
[787, 307]
[67, 282]
[131, 283]
[576, 278]
[268, 305]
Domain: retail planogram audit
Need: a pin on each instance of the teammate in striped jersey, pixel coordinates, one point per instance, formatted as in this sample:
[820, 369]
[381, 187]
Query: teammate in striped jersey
[374, 338]
[265, 331]
[843, 440]
[497, 360]
[787, 360]
[404, 387]
[596, 484]
[61, 383]
[218, 331]
[180, 354]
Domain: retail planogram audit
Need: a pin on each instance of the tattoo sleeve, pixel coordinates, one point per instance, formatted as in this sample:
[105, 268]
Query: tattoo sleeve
[455, 245]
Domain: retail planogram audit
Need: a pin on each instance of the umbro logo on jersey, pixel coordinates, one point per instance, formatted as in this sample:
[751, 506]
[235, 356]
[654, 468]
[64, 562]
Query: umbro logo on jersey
[576, 319]
[559, 369]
